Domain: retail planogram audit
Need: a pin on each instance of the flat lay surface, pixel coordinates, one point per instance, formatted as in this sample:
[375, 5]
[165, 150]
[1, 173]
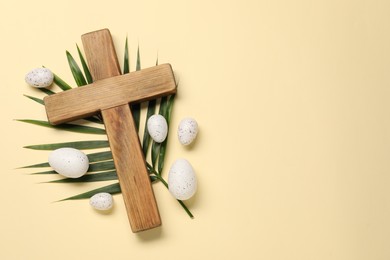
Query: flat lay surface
[292, 104]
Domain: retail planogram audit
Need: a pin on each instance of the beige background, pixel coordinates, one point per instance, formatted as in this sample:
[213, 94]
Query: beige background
[292, 99]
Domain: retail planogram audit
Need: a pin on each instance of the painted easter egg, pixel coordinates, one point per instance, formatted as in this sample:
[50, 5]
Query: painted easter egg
[187, 131]
[101, 201]
[69, 162]
[182, 181]
[157, 128]
[39, 78]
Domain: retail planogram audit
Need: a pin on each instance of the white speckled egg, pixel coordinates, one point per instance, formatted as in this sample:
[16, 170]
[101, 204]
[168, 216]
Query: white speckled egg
[101, 201]
[182, 181]
[69, 162]
[187, 131]
[39, 78]
[157, 128]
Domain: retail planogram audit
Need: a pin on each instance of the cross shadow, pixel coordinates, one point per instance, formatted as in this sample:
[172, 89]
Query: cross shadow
[150, 235]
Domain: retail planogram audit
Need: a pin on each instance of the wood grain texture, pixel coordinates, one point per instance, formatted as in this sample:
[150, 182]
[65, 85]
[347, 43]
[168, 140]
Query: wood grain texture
[110, 93]
[100, 54]
[85, 101]
[130, 166]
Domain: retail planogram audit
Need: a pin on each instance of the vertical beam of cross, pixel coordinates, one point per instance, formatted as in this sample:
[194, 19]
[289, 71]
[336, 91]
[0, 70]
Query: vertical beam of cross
[123, 138]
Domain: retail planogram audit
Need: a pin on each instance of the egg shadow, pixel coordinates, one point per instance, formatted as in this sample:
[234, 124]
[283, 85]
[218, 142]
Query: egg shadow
[151, 234]
[105, 212]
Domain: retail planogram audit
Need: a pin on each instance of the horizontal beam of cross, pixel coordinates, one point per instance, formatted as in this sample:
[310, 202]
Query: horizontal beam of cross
[137, 86]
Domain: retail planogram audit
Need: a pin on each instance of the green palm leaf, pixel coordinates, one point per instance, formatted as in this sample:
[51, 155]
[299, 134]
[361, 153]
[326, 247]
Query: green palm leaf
[76, 72]
[138, 66]
[47, 91]
[85, 66]
[136, 108]
[60, 83]
[151, 110]
[157, 146]
[38, 100]
[101, 166]
[45, 172]
[155, 152]
[126, 63]
[161, 155]
[67, 127]
[38, 165]
[100, 156]
[163, 106]
[81, 145]
[167, 115]
[112, 189]
[146, 139]
[101, 176]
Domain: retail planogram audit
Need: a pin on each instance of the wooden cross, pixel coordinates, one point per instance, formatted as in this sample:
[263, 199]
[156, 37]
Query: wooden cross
[110, 94]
